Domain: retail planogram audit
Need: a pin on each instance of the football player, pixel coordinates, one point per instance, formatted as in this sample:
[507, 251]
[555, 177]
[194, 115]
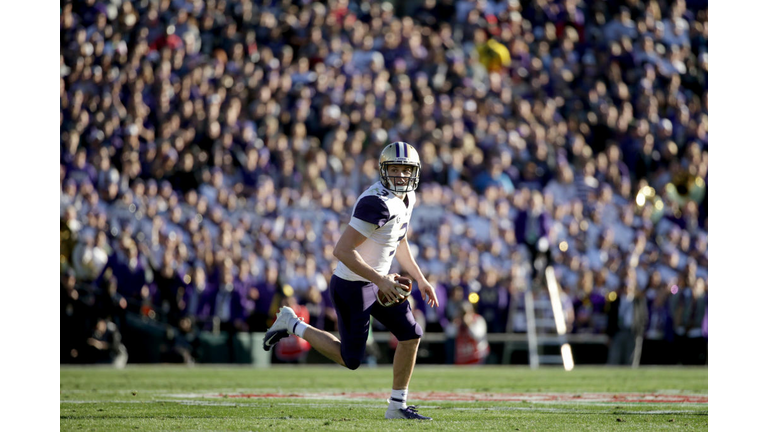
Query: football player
[377, 233]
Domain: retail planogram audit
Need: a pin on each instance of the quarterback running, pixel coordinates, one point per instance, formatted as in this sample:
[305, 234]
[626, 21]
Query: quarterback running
[377, 233]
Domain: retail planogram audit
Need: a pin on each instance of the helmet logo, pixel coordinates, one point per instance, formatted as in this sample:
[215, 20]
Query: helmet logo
[399, 153]
[404, 151]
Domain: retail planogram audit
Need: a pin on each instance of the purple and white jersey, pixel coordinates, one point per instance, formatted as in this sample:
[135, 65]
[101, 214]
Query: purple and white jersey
[383, 218]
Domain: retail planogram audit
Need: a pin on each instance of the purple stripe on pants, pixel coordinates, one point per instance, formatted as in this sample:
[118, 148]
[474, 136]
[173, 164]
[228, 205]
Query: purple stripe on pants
[355, 302]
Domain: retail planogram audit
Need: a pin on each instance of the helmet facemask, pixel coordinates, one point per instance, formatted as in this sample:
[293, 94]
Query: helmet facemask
[391, 182]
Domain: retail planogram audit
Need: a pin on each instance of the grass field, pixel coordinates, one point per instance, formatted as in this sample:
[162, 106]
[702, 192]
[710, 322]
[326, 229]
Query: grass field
[332, 398]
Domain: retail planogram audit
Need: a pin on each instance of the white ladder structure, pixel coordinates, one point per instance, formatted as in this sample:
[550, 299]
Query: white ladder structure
[538, 317]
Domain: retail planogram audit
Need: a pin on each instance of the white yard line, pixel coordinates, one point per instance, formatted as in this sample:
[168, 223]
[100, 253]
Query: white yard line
[374, 406]
[583, 397]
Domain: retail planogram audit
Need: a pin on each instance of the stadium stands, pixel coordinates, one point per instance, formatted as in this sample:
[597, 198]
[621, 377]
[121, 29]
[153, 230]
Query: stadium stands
[210, 150]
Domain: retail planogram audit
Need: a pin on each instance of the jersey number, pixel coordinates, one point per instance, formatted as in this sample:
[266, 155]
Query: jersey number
[404, 229]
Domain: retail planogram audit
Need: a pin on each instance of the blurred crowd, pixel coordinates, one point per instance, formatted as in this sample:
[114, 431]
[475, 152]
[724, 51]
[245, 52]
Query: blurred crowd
[211, 151]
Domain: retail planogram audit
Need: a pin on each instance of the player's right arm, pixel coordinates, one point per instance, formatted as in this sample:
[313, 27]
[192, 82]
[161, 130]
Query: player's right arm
[346, 252]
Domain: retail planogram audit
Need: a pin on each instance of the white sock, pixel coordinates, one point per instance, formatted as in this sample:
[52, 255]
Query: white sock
[398, 398]
[298, 327]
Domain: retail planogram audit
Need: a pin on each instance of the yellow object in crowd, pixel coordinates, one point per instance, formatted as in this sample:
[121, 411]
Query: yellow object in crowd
[494, 55]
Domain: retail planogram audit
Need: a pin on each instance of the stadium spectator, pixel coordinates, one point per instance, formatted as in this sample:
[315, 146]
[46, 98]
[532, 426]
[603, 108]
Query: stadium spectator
[471, 337]
[627, 320]
[227, 305]
[88, 258]
[263, 298]
[532, 228]
[493, 302]
[104, 345]
[198, 299]
[111, 304]
[493, 175]
[660, 333]
[589, 306]
[72, 316]
[130, 270]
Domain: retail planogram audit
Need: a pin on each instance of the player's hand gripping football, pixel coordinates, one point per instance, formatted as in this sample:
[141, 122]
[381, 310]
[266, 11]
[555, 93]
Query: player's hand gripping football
[428, 293]
[388, 286]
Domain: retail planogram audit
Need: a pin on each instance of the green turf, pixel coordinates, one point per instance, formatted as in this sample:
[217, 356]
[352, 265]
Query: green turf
[172, 398]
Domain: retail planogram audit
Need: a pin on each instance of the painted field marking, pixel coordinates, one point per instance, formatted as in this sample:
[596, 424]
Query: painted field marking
[378, 406]
[643, 398]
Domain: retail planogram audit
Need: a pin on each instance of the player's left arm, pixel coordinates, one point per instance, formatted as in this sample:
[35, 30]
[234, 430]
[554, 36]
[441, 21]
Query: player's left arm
[408, 263]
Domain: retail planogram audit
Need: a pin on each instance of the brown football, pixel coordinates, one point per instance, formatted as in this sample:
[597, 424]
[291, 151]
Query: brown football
[404, 292]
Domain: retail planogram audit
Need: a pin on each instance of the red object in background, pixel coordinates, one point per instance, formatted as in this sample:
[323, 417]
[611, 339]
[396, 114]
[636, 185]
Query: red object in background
[293, 347]
[342, 12]
[560, 29]
[172, 41]
[252, 48]
[469, 350]
[146, 310]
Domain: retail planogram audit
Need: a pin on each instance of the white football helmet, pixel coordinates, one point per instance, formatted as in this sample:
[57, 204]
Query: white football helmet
[400, 153]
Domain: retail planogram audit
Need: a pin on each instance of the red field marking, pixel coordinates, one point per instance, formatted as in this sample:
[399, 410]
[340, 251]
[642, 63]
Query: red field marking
[494, 397]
